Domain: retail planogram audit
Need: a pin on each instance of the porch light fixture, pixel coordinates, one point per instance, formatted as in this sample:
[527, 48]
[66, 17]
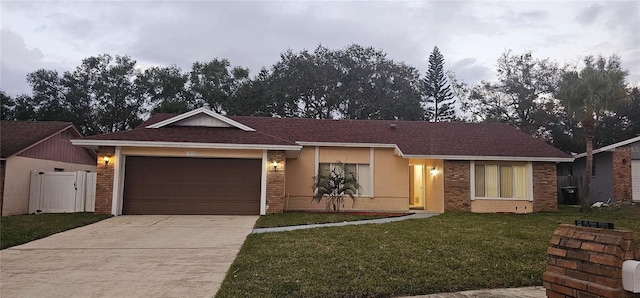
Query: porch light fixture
[275, 165]
[433, 171]
[106, 161]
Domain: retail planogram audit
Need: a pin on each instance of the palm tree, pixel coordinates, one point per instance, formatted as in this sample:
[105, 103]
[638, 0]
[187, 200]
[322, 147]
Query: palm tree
[588, 94]
[335, 185]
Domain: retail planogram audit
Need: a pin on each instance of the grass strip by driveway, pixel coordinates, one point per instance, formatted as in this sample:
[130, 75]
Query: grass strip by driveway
[20, 229]
[454, 251]
[307, 218]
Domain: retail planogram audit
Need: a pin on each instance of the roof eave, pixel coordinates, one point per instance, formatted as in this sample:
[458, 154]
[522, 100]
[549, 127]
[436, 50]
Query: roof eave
[491, 158]
[337, 144]
[157, 144]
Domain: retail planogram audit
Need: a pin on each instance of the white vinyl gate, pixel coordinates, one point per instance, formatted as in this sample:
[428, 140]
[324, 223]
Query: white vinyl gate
[54, 192]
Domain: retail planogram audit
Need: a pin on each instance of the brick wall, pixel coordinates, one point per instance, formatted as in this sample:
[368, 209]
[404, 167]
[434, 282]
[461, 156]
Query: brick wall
[457, 185]
[275, 181]
[104, 182]
[587, 262]
[622, 174]
[545, 189]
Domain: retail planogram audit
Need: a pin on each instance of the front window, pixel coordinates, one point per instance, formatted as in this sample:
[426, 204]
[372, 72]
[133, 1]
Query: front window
[360, 171]
[501, 181]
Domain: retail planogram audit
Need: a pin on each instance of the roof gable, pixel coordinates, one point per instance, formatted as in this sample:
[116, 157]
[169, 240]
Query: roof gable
[200, 117]
[18, 136]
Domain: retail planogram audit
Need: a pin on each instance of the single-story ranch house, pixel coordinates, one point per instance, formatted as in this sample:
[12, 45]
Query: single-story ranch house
[201, 162]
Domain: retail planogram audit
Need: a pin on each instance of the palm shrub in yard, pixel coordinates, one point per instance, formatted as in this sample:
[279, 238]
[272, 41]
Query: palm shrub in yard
[335, 185]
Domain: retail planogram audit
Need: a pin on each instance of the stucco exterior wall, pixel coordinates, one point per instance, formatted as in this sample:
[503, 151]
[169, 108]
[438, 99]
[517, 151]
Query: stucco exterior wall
[18, 179]
[345, 155]
[391, 175]
[501, 206]
[390, 186]
[300, 173]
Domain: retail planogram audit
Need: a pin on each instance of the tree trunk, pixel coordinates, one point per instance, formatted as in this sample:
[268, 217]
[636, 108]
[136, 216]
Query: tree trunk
[585, 192]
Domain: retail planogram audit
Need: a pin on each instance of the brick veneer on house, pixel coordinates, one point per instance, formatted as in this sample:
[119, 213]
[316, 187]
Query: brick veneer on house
[545, 184]
[104, 182]
[587, 262]
[457, 185]
[622, 174]
[275, 181]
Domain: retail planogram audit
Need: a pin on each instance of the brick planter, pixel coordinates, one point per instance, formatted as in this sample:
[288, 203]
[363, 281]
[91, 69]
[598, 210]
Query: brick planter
[587, 262]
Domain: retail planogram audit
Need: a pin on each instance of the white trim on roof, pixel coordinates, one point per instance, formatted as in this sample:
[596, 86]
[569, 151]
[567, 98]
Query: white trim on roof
[397, 150]
[610, 147]
[449, 157]
[95, 143]
[492, 158]
[335, 144]
[201, 111]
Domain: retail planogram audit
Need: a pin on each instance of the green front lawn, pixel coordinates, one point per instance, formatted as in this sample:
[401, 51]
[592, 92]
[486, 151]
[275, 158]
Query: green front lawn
[451, 252]
[307, 218]
[19, 229]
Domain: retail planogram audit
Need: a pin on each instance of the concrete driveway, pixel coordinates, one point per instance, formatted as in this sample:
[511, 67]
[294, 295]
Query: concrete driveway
[128, 256]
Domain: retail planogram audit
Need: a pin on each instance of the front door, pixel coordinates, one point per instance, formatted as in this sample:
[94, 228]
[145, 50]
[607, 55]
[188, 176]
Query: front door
[416, 186]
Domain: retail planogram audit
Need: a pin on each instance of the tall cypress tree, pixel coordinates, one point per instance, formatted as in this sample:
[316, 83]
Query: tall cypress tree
[437, 97]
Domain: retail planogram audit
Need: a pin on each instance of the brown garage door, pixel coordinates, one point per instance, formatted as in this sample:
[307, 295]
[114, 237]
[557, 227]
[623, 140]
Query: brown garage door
[174, 185]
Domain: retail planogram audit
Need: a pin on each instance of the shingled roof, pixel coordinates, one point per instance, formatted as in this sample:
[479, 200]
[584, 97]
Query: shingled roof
[16, 136]
[411, 138]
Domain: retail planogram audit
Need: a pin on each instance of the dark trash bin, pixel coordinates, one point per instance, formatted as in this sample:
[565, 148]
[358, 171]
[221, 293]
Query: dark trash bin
[569, 195]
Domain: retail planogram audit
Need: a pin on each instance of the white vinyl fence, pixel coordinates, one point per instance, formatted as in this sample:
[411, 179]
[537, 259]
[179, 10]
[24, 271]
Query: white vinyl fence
[54, 192]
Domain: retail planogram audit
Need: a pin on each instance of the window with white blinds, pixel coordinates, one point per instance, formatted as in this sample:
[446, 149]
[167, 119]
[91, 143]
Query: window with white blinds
[501, 180]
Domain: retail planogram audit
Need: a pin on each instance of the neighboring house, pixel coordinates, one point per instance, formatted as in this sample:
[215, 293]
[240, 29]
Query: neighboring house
[615, 172]
[201, 162]
[41, 146]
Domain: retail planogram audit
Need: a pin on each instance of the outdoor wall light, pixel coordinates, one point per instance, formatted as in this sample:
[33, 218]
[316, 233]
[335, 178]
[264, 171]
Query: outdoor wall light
[106, 161]
[433, 171]
[275, 165]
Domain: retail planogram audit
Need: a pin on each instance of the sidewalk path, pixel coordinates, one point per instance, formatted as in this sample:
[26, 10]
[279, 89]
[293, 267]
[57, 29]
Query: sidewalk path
[345, 223]
[527, 292]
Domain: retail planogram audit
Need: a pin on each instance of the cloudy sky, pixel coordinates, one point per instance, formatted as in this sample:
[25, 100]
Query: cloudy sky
[470, 34]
